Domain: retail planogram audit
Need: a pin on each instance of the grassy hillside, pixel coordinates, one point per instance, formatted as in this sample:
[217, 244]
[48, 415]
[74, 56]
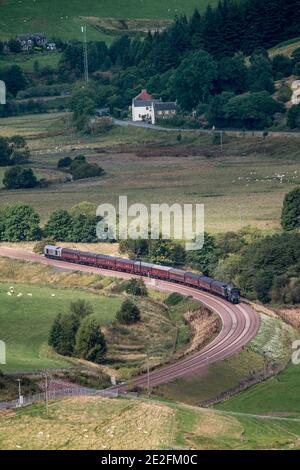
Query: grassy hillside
[29, 305]
[279, 395]
[285, 48]
[26, 61]
[94, 423]
[272, 345]
[25, 322]
[63, 19]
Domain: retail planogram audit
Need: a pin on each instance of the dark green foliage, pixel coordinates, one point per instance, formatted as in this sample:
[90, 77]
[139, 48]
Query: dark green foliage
[86, 170]
[20, 222]
[204, 260]
[14, 46]
[296, 56]
[136, 287]
[59, 225]
[64, 162]
[229, 243]
[56, 333]
[297, 69]
[216, 112]
[135, 248]
[62, 226]
[260, 75]
[129, 313]
[263, 261]
[232, 74]
[252, 110]
[81, 308]
[14, 79]
[64, 329]
[63, 334]
[13, 150]
[84, 229]
[174, 299]
[282, 66]
[5, 152]
[293, 117]
[90, 342]
[290, 216]
[262, 284]
[193, 80]
[19, 178]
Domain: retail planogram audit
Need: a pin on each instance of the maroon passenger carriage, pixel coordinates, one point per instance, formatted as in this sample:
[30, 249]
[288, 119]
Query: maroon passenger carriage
[166, 273]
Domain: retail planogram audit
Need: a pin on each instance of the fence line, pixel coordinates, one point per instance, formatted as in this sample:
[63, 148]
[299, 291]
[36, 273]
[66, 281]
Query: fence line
[53, 394]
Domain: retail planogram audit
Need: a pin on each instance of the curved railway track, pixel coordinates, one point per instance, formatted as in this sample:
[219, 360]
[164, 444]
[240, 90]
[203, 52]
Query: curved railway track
[240, 323]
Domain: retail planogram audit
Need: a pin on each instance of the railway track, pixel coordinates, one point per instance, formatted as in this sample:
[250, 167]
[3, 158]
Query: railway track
[240, 323]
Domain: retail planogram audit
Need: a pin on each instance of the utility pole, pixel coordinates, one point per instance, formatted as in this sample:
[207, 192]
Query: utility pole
[85, 56]
[148, 373]
[221, 141]
[46, 393]
[241, 215]
[20, 395]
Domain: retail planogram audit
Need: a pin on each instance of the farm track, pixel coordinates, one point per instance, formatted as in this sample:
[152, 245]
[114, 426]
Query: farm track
[240, 323]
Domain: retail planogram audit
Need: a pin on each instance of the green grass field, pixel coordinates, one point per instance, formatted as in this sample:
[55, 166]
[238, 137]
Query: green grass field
[63, 19]
[279, 395]
[272, 344]
[241, 187]
[25, 322]
[219, 378]
[26, 61]
[102, 424]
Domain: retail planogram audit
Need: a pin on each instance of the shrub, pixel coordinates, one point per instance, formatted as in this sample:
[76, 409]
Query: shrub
[20, 222]
[174, 299]
[136, 287]
[59, 226]
[19, 178]
[64, 162]
[40, 245]
[90, 342]
[129, 313]
[293, 117]
[290, 216]
[62, 334]
[86, 170]
[81, 308]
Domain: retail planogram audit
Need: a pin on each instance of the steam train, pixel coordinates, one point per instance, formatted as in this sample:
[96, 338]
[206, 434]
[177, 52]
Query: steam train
[165, 273]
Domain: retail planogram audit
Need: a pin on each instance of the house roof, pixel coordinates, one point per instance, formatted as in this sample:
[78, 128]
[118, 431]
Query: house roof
[165, 106]
[144, 96]
[142, 103]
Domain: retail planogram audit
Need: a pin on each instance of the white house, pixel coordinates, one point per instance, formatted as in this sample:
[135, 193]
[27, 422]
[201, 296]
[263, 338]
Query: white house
[145, 108]
[296, 92]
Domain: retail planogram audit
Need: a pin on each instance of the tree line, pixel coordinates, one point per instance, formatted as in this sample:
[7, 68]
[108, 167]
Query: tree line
[77, 333]
[201, 61]
[264, 267]
[21, 222]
